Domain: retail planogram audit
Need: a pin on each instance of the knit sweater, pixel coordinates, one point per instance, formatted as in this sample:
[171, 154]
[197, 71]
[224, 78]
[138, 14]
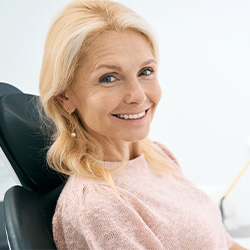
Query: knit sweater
[152, 212]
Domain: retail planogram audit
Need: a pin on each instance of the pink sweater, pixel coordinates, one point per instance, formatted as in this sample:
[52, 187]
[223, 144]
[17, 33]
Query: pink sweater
[156, 213]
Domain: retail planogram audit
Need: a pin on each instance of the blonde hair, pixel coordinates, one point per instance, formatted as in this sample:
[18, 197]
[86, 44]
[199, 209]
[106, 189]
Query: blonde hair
[67, 42]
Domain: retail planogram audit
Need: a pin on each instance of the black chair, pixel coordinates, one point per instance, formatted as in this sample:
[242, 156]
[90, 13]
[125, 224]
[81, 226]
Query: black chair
[3, 238]
[5, 89]
[28, 208]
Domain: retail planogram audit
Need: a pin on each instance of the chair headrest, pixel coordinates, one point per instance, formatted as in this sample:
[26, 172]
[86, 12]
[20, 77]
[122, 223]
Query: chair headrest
[6, 88]
[25, 143]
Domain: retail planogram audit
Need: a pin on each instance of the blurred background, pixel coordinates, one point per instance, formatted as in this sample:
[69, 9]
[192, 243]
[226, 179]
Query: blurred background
[204, 114]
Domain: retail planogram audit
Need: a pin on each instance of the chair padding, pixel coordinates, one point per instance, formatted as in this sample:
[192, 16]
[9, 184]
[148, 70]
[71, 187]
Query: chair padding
[6, 88]
[3, 239]
[25, 143]
[28, 218]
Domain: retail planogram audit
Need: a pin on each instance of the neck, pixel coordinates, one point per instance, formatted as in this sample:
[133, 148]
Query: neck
[120, 151]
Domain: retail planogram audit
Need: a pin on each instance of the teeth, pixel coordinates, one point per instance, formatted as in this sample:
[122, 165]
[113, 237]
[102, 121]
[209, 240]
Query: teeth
[131, 117]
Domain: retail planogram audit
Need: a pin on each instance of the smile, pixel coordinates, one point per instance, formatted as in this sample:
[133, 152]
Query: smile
[131, 116]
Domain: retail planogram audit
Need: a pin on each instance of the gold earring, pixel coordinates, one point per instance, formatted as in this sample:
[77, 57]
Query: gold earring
[73, 133]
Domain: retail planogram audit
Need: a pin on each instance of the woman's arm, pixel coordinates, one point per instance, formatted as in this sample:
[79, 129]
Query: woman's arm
[237, 247]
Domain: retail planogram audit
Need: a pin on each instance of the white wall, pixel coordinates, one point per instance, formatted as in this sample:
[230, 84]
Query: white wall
[204, 116]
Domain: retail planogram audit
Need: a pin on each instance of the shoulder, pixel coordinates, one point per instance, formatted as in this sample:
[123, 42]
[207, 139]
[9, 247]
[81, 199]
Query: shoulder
[82, 200]
[83, 213]
[79, 191]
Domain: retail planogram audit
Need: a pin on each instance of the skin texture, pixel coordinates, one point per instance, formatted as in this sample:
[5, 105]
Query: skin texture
[118, 76]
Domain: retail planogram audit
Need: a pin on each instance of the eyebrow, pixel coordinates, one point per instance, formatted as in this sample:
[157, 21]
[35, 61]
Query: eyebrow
[114, 67]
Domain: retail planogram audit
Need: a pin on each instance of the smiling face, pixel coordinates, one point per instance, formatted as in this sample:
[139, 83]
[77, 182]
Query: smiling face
[116, 89]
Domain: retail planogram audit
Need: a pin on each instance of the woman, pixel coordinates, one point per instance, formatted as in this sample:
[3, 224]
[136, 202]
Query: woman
[99, 85]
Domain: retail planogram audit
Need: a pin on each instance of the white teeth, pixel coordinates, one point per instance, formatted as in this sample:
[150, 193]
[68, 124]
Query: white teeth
[131, 117]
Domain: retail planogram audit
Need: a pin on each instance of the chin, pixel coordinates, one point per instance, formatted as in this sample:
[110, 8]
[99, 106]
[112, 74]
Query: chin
[136, 137]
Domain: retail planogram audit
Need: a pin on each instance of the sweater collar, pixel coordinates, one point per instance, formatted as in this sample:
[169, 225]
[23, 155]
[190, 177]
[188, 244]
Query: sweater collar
[138, 161]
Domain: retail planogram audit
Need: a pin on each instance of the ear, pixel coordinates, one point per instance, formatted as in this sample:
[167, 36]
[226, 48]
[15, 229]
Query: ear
[66, 101]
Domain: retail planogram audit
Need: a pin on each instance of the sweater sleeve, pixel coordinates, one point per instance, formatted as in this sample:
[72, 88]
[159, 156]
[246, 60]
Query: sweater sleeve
[100, 219]
[230, 241]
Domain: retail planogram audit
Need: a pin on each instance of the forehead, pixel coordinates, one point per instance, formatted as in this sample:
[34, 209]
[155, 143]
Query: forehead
[113, 45]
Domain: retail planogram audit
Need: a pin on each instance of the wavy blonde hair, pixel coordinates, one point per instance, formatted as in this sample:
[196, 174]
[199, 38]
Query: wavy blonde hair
[67, 42]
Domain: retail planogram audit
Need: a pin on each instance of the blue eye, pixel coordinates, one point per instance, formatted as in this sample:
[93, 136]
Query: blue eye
[146, 72]
[108, 79]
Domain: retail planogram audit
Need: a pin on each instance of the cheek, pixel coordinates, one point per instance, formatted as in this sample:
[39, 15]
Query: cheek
[97, 105]
[156, 94]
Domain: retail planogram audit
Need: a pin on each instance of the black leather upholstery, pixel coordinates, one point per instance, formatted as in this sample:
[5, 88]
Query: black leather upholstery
[24, 141]
[5, 89]
[28, 218]
[3, 239]
[28, 208]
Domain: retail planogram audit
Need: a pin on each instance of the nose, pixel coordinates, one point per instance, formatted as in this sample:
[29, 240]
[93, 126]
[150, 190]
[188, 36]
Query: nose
[134, 92]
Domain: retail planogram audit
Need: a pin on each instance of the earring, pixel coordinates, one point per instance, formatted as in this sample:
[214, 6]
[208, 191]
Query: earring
[73, 133]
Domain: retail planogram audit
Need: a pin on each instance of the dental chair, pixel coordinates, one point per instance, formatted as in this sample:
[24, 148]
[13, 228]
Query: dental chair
[4, 90]
[24, 140]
